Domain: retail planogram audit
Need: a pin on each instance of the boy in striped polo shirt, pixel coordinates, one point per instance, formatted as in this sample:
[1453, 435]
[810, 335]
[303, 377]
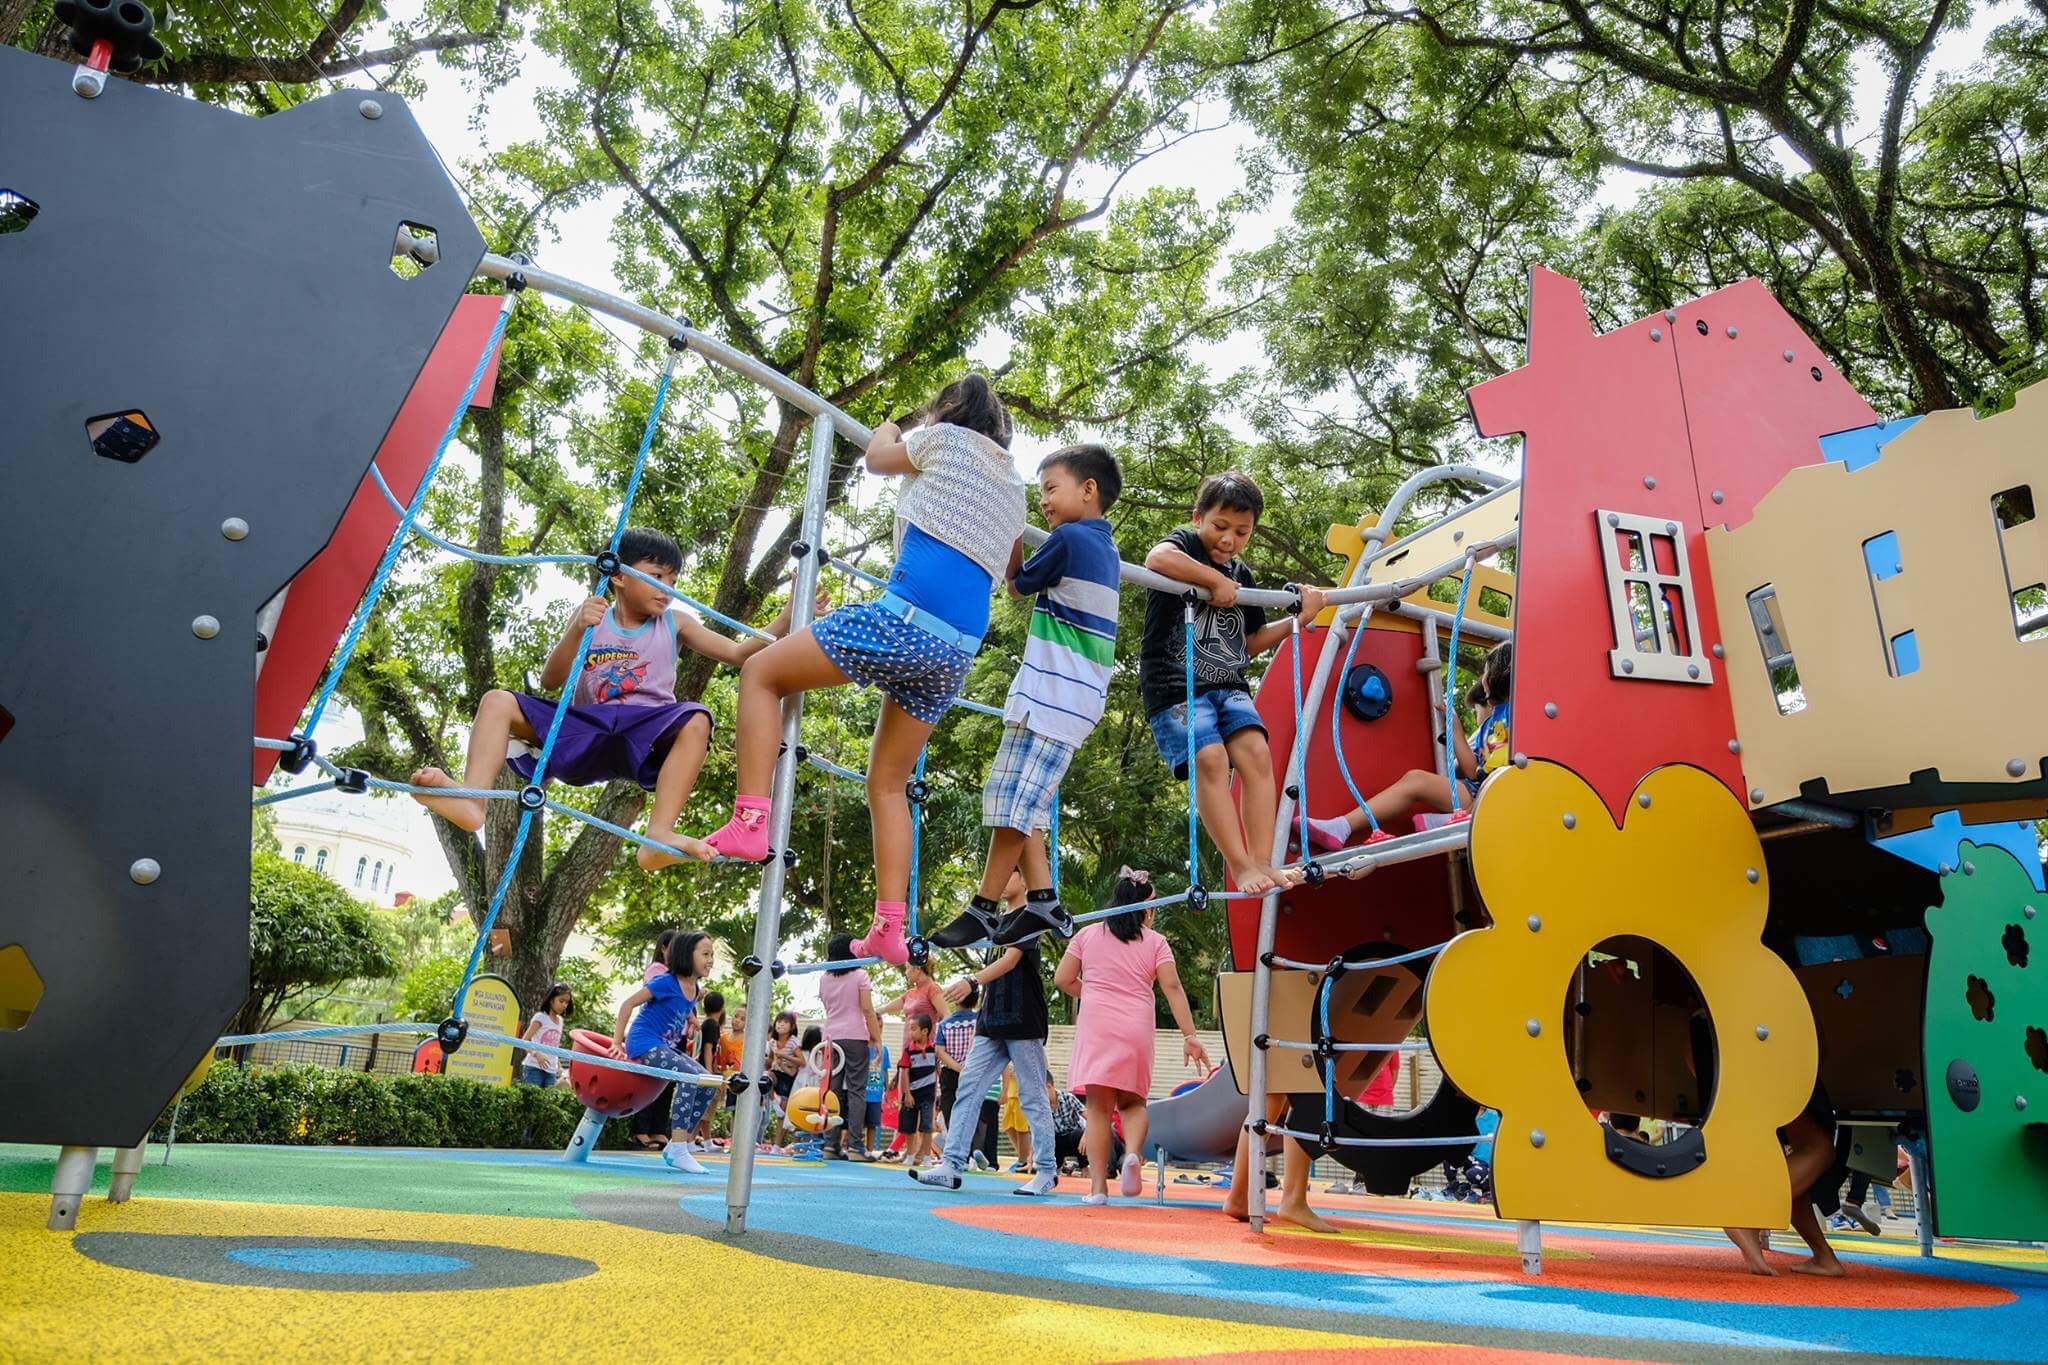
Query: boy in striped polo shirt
[1057, 695]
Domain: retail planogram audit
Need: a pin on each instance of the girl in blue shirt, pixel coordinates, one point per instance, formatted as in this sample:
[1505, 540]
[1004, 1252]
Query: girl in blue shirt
[659, 1012]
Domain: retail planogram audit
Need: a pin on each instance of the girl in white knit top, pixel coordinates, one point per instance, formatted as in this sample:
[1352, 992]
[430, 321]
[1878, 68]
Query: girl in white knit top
[958, 520]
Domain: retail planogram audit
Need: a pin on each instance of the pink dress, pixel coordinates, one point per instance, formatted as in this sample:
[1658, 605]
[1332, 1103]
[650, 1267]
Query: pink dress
[1113, 1035]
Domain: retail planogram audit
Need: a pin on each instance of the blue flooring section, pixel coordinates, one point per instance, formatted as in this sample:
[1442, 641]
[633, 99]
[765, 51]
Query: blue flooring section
[347, 1261]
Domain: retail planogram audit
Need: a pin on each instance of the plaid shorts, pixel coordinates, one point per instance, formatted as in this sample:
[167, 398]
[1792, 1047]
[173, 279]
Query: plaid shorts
[1024, 780]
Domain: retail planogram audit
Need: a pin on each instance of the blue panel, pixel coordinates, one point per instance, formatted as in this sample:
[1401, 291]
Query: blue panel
[1881, 555]
[1905, 654]
[1935, 846]
[1862, 446]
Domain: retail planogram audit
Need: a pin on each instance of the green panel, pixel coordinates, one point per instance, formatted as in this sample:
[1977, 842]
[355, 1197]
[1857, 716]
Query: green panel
[1987, 1016]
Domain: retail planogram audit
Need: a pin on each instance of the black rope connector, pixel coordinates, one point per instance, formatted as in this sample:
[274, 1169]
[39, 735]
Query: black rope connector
[607, 564]
[1262, 1041]
[778, 969]
[1312, 874]
[920, 949]
[803, 753]
[1337, 967]
[1293, 792]
[1198, 897]
[750, 966]
[352, 780]
[1266, 960]
[451, 1035]
[918, 790]
[1190, 598]
[736, 1084]
[299, 755]
[788, 857]
[532, 796]
[124, 28]
[1324, 1047]
[1327, 1135]
[1260, 1126]
[679, 343]
[800, 549]
[1294, 591]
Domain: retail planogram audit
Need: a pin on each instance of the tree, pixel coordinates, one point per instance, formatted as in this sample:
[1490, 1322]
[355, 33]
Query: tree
[304, 933]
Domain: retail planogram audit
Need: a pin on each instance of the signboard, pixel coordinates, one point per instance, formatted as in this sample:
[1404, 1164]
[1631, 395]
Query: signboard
[490, 1008]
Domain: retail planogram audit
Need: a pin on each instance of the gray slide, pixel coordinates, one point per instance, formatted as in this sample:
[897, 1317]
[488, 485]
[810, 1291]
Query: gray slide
[1201, 1125]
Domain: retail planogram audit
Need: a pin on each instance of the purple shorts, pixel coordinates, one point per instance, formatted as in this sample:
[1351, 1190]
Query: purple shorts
[606, 741]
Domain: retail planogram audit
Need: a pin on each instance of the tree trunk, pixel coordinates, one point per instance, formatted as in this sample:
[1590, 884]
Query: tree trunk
[13, 14]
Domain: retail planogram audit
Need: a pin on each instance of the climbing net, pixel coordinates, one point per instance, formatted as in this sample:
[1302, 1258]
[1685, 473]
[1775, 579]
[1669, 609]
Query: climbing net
[1355, 602]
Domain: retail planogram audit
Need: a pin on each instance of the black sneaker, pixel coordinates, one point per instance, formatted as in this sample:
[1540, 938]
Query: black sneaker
[974, 924]
[1030, 919]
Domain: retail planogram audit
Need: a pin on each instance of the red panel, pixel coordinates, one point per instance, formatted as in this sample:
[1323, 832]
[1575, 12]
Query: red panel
[1602, 417]
[1408, 903]
[1752, 413]
[325, 593]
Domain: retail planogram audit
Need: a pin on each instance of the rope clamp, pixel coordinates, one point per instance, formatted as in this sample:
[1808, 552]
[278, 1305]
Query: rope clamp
[1327, 1135]
[679, 343]
[803, 753]
[301, 753]
[918, 790]
[799, 549]
[352, 780]
[1198, 897]
[451, 1035]
[1312, 874]
[777, 969]
[750, 966]
[607, 564]
[532, 796]
[1261, 1041]
[1188, 599]
[788, 857]
[1259, 1126]
[1324, 1047]
[1294, 591]
[920, 949]
[736, 1084]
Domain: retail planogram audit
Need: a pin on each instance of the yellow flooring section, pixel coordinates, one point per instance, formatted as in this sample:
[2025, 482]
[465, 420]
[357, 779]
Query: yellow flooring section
[654, 1296]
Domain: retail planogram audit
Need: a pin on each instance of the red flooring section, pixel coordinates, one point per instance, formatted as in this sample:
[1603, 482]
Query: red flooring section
[1484, 1252]
[1368, 1355]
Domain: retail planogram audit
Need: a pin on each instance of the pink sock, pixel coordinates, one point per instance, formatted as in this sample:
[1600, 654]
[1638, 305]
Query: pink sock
[885, 939]
[745, 836]
[1330, 834]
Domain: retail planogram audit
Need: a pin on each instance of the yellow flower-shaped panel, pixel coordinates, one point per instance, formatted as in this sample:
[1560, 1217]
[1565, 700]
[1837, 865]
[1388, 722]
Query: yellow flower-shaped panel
[1685, 871]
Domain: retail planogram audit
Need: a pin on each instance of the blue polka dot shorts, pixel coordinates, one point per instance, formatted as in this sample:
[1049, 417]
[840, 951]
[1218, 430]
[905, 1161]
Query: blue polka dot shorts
[876, 648]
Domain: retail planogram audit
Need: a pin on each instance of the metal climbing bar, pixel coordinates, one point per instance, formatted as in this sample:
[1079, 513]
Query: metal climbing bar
[706, 1080]
[1363, 964]
[1316, 1139]
[812, 968]
[621, 832]
[1451, 686]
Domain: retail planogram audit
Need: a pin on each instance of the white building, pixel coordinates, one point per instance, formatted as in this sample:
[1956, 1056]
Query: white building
[366, 845]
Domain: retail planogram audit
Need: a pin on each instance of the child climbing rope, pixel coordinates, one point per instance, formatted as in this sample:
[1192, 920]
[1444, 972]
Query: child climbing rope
[657, 1013]
[957, 522]
[1420, 789]
[624, 720]
[1227, 731]
[1057, 695]
[1111, 968]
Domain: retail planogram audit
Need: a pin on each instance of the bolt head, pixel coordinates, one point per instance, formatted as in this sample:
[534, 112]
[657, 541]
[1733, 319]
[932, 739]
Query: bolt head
[370, 109]
[1731, 334]
[2019, 1102]
[143, 871]
[2030, 912]
[1670, 315]
[1521, 760]
[234, 528]
[1756, 796]
[1719, 496]
[1614, 519]
[1650, 481]
[1788, 357]
[1969, 869]
[2015, 767]
[1534, 1027]
[1643, 800]
[1535, 1137]
[1570, 821]
[1692, 670]
[1762, 1033]
[1717, 651]
[1656, 334]
[1550, 710]
[1753, 875]
[1734, 746]
[205, 627]
[1628, 665]
[1670, 528]
[1535, 924]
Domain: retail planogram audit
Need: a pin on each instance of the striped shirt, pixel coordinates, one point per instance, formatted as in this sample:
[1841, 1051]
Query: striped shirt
[1060, 690]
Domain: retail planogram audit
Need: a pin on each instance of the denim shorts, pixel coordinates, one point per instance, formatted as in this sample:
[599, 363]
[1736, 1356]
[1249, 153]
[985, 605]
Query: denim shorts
[1218, 716]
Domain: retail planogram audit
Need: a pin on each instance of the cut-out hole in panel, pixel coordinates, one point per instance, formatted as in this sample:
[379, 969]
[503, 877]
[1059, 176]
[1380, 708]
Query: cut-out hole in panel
[1673, 621]
[1905, 654]
[1638, 1032]
[1881, 556]
[21, 987]
[414, 249]
[17, 211]
[2037, 1048]
[124, 436]
[1643, 612]
[6, 721]
[2013, 506]
[1664, 553]
[1769, 623]
[2014, 941]
[1977, 992]
[2030, 612]
[1629, 546]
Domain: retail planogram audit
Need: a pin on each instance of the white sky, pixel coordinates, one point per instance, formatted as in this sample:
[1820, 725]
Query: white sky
[1208, 164]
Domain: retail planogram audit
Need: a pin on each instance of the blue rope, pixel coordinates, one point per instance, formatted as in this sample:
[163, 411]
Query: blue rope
[1337, 715]
[1330, 1071]
[547, 748]
[1451, 683]
[1052, 844]
[464, 551]
[357, 626]
[1187, 625]
[916, 842]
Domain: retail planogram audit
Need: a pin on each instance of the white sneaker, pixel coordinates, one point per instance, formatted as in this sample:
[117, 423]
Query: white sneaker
[1094, 1201]
[978, 1162]
[1133, 1180]
[679, 1159]
[1042, 1183]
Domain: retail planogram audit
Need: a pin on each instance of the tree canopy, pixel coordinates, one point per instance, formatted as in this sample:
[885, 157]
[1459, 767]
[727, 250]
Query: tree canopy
[304, 933]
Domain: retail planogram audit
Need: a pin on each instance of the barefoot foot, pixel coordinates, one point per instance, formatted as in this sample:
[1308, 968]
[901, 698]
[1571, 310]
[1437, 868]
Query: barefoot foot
[1253, 880]
[464, 812]
[1830, 1269]
[1302, 1216]
[1235, 1210]
[1750, 1243]
[685, 848]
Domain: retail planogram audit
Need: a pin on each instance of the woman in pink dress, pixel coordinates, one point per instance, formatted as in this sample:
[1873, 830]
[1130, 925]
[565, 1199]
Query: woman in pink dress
[1112, 967]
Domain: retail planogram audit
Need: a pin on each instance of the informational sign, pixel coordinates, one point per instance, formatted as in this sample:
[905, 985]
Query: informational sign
[490, 1008]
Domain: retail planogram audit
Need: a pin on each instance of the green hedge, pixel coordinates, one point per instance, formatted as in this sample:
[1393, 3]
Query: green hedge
[319, 1106]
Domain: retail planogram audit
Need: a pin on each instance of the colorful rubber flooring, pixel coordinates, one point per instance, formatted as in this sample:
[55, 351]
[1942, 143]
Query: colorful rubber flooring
[233, 1253]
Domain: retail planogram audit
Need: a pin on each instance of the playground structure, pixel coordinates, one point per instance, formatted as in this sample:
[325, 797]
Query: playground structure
[1723, 733]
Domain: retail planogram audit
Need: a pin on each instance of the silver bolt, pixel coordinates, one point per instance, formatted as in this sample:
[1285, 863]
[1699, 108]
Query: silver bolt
[1788, 357]
[2030, 912]
[1457, 536]
[1731, 334]
[205, 627]
[1692, 670]
[1734, 746]
[234, 528]
[1969, 869]
[1756, 796]
[1762, 1033]
[1670, 315]
[370, 109]
[2015, 767]
[1650, 481]
[1942, 869]
[1752, 874]
[2019, 1102]
[1535, 1028]
[1550, 710]
[1628, 665]
[1614, 519]
[1535, 924]
[1719, 496]
[1643, 800]
[1656, 334]
[1717, 651]
[143, 871]
[1570, 821]
[1535, 1137]
[1670, 528]
[1521, 760]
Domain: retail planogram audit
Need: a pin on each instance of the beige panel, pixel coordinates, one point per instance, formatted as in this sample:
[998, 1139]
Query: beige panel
[1365, 1007]
[1481, 522]
[1967, 712]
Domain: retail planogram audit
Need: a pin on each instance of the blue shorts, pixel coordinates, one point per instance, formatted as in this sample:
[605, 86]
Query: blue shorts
[1218, 716]
[877, 648]
[1024, 780]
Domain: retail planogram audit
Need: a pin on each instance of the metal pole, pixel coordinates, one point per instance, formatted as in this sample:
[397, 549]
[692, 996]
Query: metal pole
[69, 1185]
[1262, 976]
[746, 1122]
